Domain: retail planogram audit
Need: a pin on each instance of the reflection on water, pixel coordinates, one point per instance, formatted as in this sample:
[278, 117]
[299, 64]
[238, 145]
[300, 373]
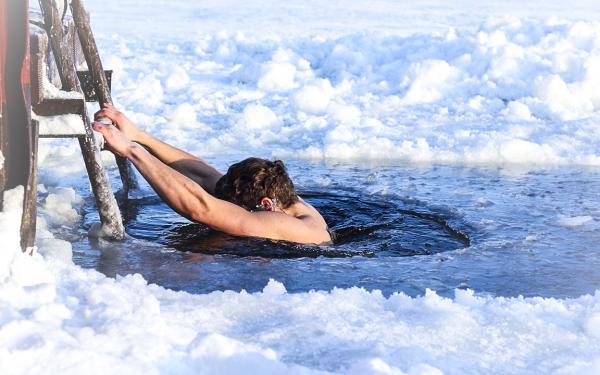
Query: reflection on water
[363, 226]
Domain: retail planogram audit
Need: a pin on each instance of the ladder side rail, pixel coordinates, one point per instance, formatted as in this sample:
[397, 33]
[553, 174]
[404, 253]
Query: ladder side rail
[92, 58]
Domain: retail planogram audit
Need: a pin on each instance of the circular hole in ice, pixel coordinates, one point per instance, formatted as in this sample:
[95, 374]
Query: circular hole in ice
[364, 225]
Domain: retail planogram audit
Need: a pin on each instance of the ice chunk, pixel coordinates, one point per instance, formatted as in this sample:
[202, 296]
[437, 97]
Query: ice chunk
[274, 288]
[183, 115]
[277, 76]
[258, 116]
[314, 99]
[177, 80]
[574, 221]
[517, 111]
[58, 207]
[429, 81]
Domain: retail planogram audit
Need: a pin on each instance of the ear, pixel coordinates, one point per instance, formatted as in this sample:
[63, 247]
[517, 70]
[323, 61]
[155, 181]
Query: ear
[267, 203]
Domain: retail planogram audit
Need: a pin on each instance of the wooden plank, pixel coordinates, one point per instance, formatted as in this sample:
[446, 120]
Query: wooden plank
[87, 84]
[56, 107]
[105, 199]
[38, 47]
[90, 51]
[29, 217]
[63, 56]
[62, 135]
[92, 57]
[110, 216]
[62, 126]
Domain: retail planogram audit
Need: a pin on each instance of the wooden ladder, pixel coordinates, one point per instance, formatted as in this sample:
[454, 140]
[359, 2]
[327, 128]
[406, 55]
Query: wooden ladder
[49, 101]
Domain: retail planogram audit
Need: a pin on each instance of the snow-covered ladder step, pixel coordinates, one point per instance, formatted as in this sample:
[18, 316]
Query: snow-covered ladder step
[63, 113]
[58, 112]
[60, 126]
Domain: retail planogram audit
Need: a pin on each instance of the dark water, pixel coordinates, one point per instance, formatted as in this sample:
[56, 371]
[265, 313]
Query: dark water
[400, 228]
[362, 225]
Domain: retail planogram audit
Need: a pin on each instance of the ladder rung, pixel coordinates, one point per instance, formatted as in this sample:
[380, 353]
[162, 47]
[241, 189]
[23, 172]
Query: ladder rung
[55, 107]
[64, 126]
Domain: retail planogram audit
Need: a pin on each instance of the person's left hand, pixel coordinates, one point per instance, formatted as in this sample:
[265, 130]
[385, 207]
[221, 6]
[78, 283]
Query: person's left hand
[118, 118]
[115, 140]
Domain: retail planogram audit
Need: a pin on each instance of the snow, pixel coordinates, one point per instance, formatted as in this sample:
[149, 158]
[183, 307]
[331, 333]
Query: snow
[257, 116]
[49, 91]
[314, 99]
[437, 83]
[277, 76]
[70, 124]
[58, 207]
[177, 80]
[183, 115]
[10, 219]
[508, 91]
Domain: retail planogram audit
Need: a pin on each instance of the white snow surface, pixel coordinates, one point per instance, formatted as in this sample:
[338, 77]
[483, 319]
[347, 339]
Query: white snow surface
[431, 82]
[510, 91]
[49, 91]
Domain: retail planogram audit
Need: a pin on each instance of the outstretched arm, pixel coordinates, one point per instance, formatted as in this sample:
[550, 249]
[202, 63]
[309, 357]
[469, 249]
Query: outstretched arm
[185, 163]
[193, 202]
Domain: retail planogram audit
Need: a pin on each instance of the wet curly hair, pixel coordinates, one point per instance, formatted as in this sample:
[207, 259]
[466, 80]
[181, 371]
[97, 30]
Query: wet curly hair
[252, 179]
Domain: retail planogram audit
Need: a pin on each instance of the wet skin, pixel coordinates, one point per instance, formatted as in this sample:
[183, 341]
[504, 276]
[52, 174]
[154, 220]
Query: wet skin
[186, 183]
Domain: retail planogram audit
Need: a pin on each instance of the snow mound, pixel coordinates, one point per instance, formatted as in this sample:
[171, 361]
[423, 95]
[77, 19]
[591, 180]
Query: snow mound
[510, 91]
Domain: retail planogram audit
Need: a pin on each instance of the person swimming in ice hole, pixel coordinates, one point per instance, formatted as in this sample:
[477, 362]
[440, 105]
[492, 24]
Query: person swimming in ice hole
[255, 198]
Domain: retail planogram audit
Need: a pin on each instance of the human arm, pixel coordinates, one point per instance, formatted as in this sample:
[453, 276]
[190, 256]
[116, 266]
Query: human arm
[193, 202]
[187, 164]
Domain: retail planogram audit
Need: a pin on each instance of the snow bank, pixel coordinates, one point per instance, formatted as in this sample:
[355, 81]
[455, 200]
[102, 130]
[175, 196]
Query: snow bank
[512, 91]
[80, 321]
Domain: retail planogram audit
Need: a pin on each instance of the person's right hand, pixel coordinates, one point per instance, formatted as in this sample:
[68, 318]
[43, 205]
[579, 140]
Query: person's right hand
[121, 121]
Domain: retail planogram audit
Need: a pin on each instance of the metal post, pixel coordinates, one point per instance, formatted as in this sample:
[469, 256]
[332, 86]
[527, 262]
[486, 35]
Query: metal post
[17, 141]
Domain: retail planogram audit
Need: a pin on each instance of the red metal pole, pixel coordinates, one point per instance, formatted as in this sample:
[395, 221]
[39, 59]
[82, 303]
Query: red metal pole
[17, 138]
[16, 96]
[3, 138]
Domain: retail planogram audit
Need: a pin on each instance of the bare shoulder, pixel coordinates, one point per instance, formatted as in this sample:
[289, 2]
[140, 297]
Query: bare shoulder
[306, 212]
[311, 217]
[300, 222]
